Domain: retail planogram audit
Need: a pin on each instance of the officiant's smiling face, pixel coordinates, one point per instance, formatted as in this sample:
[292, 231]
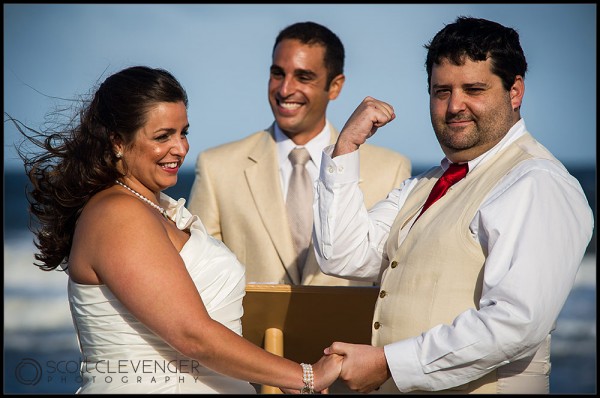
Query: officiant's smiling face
[300, 88]
[158, 149]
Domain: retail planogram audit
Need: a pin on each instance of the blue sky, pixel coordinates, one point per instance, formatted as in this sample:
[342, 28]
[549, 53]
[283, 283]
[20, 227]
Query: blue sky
[222, 53]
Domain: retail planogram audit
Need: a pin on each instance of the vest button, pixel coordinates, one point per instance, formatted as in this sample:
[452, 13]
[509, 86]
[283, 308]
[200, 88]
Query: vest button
[382, 294]
[377, 325]
[394, 264]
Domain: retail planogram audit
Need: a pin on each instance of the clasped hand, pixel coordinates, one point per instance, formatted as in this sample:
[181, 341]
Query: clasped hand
[326, 370]
[364, 367]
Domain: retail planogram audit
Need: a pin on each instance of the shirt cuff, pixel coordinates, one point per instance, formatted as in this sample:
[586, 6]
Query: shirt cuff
[341, 170]
[404, 364]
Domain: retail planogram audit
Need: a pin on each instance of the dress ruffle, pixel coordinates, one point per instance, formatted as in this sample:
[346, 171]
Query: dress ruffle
[177, 212]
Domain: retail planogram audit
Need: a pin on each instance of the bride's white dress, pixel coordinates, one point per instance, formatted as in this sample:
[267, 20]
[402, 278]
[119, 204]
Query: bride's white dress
[120, 355]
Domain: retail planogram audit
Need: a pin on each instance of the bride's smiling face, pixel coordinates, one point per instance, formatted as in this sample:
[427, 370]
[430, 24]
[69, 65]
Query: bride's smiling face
[159, 148]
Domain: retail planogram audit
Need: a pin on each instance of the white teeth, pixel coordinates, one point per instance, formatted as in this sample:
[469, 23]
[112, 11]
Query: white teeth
[290, 105]
[170, 165]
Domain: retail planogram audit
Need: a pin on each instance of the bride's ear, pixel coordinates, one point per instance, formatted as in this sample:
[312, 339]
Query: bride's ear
[118, 147]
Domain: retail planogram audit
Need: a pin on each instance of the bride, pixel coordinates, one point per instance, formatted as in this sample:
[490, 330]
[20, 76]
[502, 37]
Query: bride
[156, 301]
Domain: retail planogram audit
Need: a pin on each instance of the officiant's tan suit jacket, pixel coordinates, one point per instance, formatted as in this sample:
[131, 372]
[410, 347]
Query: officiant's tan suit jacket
[237, 195]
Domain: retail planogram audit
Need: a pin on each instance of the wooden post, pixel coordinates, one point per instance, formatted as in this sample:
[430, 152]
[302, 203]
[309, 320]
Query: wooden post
[273, 344]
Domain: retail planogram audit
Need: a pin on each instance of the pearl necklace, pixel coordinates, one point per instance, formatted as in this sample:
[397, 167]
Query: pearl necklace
[145, 199]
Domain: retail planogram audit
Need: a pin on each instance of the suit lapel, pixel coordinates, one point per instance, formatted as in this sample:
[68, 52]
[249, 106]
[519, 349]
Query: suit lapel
[265, 185]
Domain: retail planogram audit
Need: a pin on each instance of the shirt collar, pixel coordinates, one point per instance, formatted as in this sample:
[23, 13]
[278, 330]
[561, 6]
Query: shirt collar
[314, 146]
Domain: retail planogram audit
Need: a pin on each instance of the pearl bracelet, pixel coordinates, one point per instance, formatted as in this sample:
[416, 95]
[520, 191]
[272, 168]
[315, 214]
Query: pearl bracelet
[308, 378]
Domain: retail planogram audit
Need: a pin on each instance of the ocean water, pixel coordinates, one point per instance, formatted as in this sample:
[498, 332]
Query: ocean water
[41, 355]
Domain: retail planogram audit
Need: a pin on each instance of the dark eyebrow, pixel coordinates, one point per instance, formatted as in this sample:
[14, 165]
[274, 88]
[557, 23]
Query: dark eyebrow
[170, 130]
[305, 72]
[466, 85]
[475, 85]
[164, 130]
[297, 72]
[438, 86]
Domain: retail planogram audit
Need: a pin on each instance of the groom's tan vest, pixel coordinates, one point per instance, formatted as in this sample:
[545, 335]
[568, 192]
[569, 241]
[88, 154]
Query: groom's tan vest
[437, 272]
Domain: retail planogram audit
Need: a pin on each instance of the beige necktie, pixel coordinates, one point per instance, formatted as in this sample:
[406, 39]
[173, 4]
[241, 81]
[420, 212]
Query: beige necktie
[299, 204]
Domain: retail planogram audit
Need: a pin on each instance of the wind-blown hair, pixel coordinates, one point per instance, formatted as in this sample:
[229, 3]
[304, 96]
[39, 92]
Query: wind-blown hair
[312, 33]
[478, 39]
[77, 159]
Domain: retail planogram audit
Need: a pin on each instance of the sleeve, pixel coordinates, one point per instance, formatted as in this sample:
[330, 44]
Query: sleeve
[349, 240]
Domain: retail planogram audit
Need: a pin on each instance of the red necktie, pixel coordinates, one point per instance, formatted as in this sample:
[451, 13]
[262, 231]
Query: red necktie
[451, 176]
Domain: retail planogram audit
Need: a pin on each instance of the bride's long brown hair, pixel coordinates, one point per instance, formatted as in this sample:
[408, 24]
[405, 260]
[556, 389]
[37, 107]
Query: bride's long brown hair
[77, 159]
